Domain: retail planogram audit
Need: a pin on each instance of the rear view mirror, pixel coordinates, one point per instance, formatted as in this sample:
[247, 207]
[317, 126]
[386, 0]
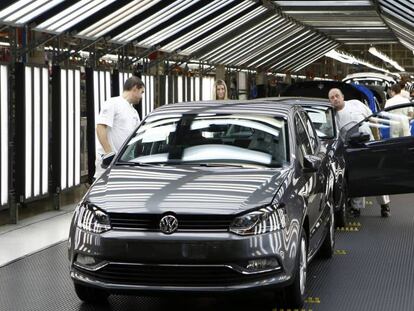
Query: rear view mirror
[358, 138]
[107, 159]
[311, 163]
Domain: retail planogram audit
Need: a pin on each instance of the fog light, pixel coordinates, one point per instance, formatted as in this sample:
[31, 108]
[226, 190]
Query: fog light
[89, 262]
[262, 265]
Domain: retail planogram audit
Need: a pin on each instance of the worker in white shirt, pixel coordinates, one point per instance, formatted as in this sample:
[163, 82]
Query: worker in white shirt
[355, 111]
[117, 120]
[402, 116]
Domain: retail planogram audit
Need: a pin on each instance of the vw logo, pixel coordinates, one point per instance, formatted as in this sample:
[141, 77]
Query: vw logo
[168, 224]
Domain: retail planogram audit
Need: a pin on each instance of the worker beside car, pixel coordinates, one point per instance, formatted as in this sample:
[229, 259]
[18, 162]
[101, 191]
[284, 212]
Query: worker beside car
[348, 112]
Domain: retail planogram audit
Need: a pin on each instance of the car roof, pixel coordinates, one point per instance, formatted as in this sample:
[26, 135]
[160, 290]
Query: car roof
[228, 106]
[301, 101]
[320, 89]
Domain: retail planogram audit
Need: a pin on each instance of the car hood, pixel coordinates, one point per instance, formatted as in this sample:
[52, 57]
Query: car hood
[185, 189]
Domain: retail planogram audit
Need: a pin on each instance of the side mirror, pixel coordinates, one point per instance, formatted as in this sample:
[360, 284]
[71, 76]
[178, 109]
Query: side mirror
[357, 139]
[311, 164]
[107, 159]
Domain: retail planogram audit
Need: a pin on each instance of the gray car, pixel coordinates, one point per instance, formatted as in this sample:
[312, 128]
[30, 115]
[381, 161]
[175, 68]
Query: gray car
[207, 197]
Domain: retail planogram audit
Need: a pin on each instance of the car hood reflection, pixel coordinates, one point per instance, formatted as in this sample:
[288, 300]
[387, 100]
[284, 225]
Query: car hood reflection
[201, 190]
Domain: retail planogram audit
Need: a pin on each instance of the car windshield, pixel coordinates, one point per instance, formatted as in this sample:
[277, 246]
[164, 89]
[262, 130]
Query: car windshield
[323, 121]
[210, 138]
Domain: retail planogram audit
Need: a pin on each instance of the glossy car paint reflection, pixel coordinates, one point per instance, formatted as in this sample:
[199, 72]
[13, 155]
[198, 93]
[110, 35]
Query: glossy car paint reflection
[206, 198]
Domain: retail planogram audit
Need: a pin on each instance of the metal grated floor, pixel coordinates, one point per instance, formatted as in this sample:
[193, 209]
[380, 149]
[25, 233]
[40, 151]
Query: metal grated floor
[373, 269]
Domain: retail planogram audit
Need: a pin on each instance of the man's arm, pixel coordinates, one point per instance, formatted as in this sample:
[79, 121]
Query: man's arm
[101, 132]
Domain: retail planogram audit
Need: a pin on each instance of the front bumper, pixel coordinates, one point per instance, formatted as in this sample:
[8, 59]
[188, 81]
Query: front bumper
[182, 262]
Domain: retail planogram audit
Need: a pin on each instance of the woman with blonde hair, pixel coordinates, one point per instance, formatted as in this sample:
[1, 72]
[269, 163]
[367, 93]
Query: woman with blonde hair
[220, 90]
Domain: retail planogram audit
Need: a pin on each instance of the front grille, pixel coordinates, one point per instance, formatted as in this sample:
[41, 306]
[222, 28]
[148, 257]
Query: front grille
[152, 275]
[150, 222]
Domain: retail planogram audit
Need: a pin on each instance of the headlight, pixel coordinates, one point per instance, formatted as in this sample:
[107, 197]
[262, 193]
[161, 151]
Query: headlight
[266, 219]
[92, 219]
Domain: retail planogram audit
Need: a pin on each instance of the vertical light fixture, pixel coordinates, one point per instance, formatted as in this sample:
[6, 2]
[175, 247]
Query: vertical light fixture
[28, 132]
[36, 131]
[180, 89]
[77, 127]
[4, 114]
[45, 129]
[208, 83]
[101, 92]
[64, 126]
[167, 80]
[197, 88]
[70, 127]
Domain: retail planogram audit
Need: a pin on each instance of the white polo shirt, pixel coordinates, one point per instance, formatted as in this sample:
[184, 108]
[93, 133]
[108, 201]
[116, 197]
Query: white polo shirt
[354, 111]
[122, 119]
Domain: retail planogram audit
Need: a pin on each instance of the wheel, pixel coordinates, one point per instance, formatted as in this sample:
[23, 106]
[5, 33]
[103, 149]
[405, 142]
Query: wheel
[328, 244]
[294, 294]
[91, 294]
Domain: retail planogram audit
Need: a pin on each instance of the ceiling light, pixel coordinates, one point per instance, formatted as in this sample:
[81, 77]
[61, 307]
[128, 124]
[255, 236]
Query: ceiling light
[385, 58]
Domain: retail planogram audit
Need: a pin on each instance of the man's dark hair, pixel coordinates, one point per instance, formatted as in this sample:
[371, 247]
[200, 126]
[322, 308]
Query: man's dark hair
[133, 81]
[396, 88]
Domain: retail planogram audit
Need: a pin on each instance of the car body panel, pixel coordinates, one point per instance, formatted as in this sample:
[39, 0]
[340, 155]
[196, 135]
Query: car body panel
[202, 195]
[383, 165]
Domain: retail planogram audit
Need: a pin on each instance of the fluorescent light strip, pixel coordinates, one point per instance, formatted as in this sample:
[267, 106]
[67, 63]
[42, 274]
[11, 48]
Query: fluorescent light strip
[28, 132]
[77, 127]
[208, 84]
[318, 52]
[45, 129]
[117, 18]
[123, 76]
[296, 39]
[166, 90]
[192, 88]
[324, 3]
[4, 83]
[40, 10]
[184, 22]
[240, 38]
[70, 127]
[257, 40]
[284, 34]
[36, 137]
[24, 9]
[154, 20]
[311, 60]
[64, 126]
[303, 47]
[223, 31]
[349, 59]
[197, 88]
[205, 27]
[264, 44]
[102, 92]
[73, 15]
[180, 89]
[385, 58]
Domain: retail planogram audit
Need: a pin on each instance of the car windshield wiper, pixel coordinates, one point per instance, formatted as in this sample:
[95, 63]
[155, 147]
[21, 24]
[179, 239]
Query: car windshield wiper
[139, 163]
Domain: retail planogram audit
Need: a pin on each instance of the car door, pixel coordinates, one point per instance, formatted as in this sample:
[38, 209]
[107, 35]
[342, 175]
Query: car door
[308, 145]
[381, 161]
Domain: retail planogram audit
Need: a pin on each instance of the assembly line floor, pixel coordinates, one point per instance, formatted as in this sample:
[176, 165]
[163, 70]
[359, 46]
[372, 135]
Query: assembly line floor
[372, 269]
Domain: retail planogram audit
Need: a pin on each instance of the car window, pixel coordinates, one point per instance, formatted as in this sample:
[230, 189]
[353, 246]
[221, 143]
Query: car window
[310, 130]
[394, 123]
[302, 139]
[257, 139]
[323, 121]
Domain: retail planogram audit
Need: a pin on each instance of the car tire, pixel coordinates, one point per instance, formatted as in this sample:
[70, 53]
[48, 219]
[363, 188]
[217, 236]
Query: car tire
[91, 294]
[294, 294]
[328, 244]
